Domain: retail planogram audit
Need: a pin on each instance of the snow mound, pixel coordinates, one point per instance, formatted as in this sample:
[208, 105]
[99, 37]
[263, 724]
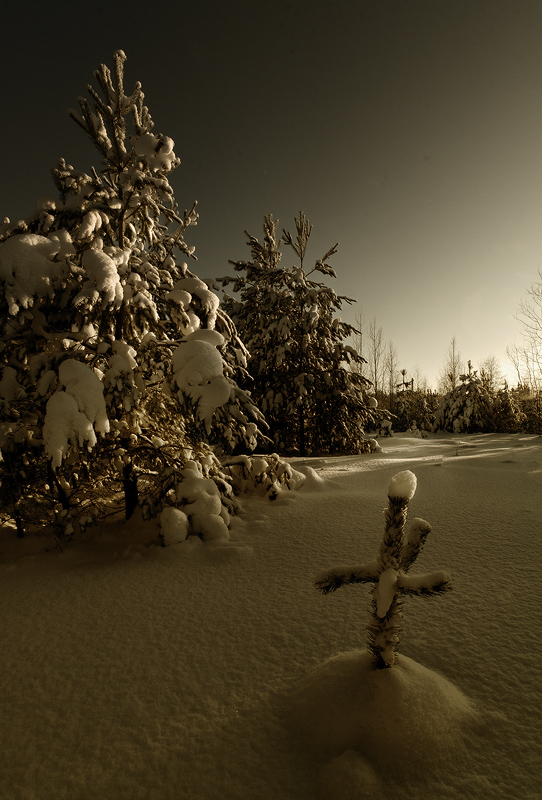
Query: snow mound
[201, 503]
[401, 720]
[313, 480]
[349, 776]
[173, 526]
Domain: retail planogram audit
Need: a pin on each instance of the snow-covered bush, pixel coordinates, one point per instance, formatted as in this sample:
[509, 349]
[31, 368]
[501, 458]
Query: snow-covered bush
[262, 474]
[411, 406]
[466, 409]
[389, 573]
[383, 427]
[117, 364]
[298, 363]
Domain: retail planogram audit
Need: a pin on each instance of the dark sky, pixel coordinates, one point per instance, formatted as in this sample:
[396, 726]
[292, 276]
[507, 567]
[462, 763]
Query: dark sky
[409, 132]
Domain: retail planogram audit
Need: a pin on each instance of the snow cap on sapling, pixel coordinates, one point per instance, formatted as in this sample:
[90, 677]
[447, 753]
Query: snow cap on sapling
[403, 485]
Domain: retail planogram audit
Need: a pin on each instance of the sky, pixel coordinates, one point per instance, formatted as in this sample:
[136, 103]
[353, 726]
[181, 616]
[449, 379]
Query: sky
[409, 133]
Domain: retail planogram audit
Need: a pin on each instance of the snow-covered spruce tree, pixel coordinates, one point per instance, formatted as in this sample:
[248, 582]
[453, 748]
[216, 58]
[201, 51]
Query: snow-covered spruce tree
[507, 414]
[414, 410]
[298, 362]
[530, 403]
[467, 408]
[119, 369]
[389, 573]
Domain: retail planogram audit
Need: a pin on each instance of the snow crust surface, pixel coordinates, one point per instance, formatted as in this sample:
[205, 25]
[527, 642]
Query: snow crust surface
[215, 671]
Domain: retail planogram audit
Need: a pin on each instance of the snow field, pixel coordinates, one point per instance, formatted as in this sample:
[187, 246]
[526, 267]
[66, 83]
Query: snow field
[187, 672]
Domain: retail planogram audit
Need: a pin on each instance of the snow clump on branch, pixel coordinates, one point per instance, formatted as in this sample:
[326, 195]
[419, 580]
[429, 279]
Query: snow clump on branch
[28, 268]
[74, 416]
[198, 371]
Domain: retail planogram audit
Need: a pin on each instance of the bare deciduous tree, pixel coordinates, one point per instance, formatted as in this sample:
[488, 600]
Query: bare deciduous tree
[527, 358]
[391, 369]
[420, 381]
[491, 374]
[449, 376]
[359, 343]
[375, 356]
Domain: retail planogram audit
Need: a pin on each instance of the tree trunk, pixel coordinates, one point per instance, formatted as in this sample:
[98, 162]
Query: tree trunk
[19, 525]
[301, 432]
[131, 496]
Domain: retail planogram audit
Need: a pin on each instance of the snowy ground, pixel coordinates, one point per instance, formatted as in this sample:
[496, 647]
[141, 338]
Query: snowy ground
[133, 671]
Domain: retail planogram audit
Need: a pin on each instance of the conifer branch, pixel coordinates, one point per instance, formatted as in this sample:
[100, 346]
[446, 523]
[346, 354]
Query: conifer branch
[332, 579]
[418, 533]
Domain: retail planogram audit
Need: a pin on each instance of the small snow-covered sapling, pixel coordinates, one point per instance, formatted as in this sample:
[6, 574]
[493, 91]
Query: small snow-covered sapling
[389, 573]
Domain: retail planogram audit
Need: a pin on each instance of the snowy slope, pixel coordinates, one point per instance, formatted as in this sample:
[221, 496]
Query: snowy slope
[133, 671]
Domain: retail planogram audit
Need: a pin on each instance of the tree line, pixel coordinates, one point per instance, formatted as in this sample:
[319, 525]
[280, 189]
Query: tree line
[467, 400]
